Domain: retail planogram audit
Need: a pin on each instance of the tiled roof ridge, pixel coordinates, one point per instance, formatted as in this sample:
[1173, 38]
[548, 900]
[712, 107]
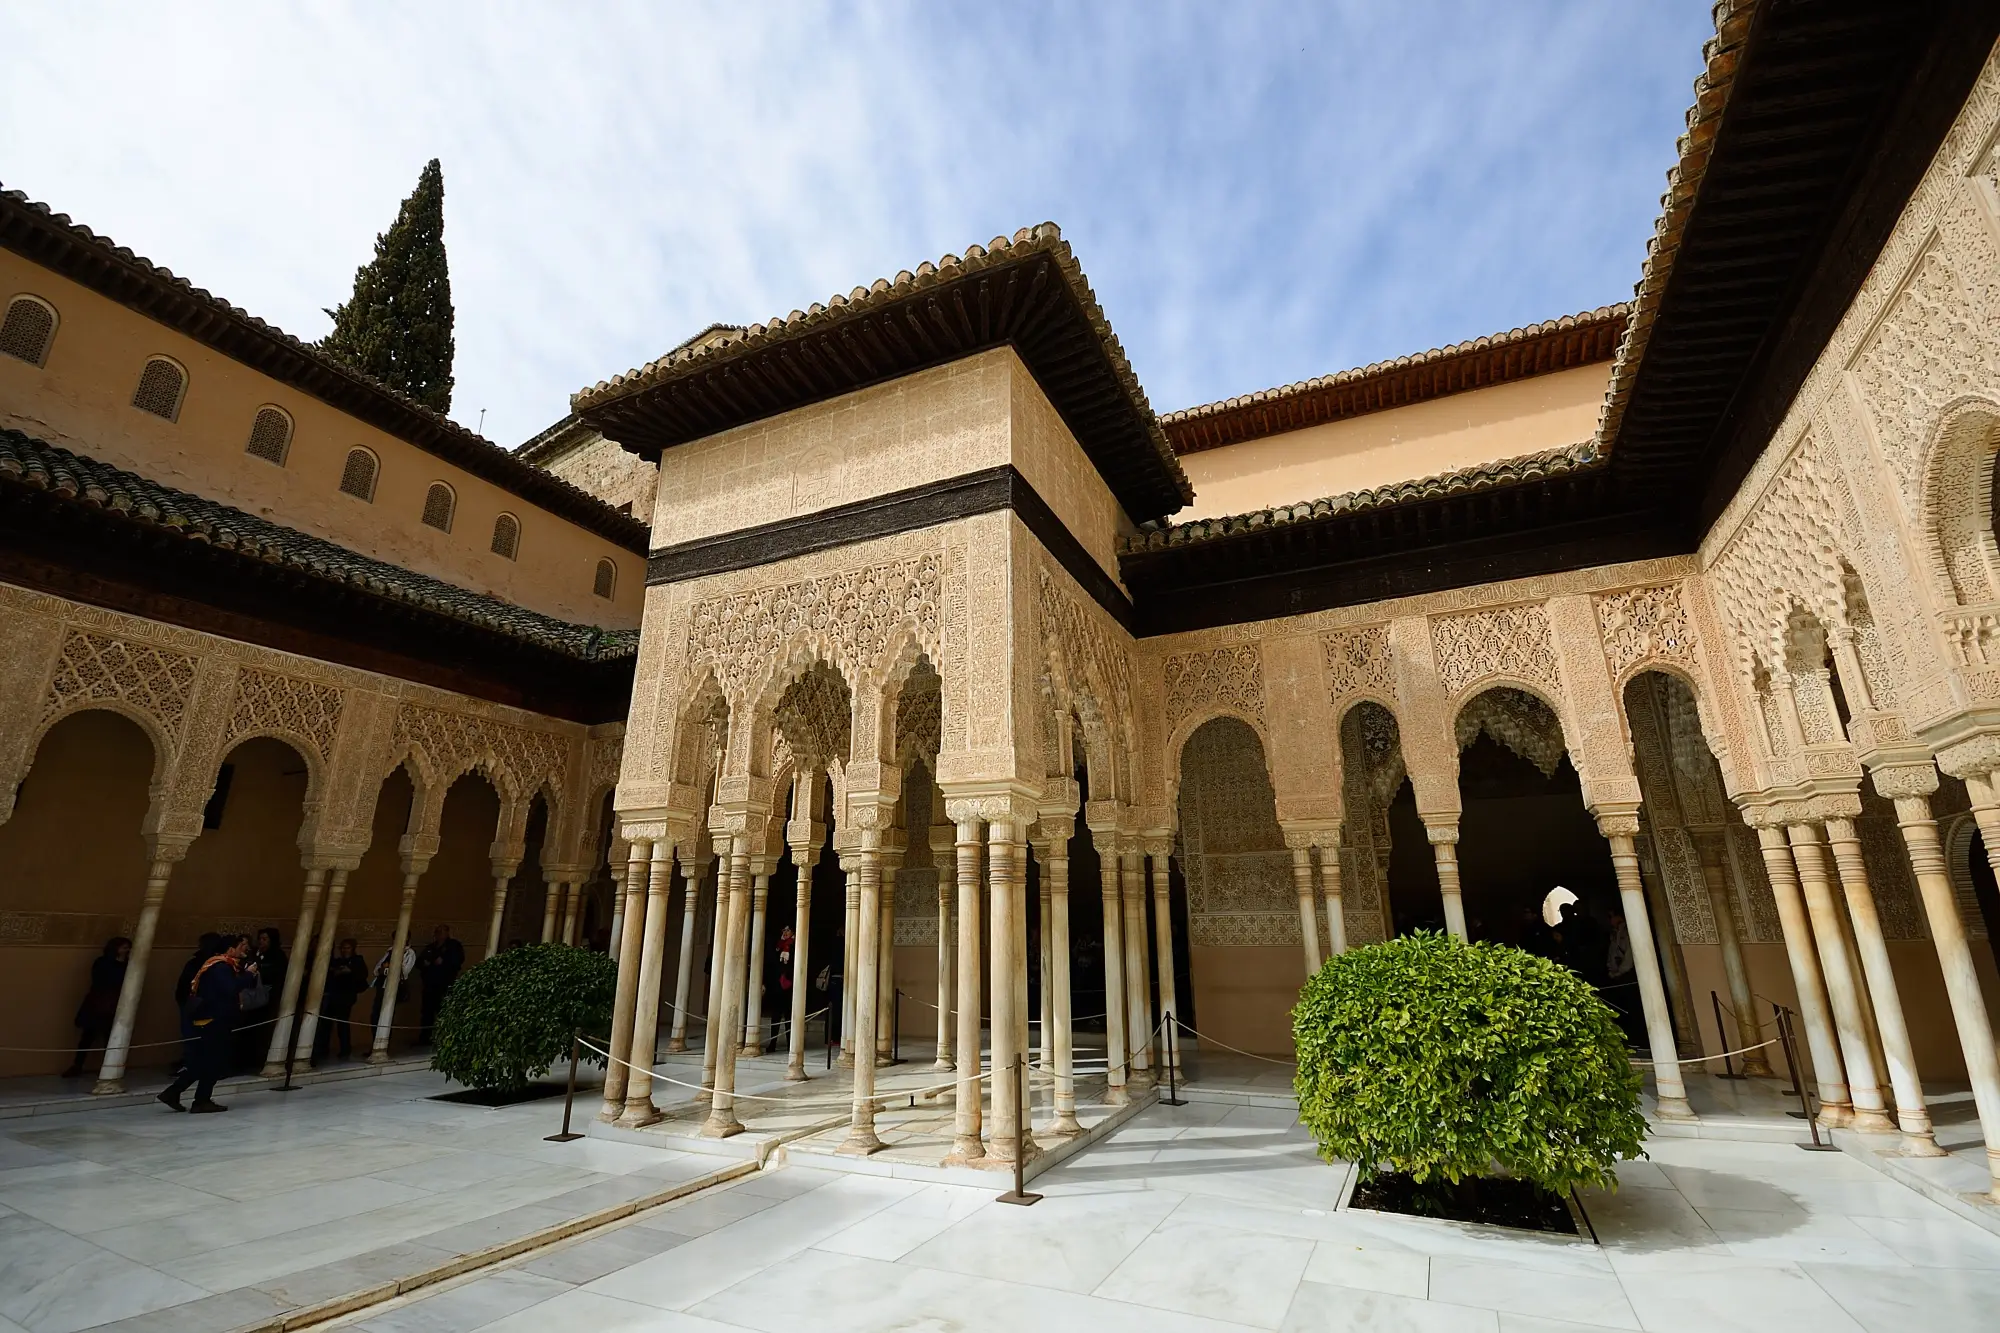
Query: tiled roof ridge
[1602, 314]
[1721, 55]
[1484, 476]
[564, 492]
[40, 465]
[1045, 238]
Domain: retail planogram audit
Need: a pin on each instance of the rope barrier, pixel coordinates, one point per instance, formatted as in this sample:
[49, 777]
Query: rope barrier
[1189, 1027]
[753, 1097]
[1698, 1059]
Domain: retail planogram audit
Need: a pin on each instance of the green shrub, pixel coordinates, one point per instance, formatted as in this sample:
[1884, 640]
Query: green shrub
[1447, 1061]
[508, 1019]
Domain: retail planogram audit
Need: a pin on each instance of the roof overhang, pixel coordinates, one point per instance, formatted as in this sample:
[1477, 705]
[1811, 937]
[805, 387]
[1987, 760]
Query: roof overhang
[1026, 292]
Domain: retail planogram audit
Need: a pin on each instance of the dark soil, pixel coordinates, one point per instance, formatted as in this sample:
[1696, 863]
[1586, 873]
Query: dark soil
[1492, 1200]
[534, 1092]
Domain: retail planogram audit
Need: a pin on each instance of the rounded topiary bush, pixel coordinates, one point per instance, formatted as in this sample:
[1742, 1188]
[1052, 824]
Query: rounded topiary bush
[1447, 1061]
[508, 1019]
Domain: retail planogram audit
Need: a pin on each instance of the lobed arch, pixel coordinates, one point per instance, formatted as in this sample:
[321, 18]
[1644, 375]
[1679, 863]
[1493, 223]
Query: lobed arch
[1564, 733]
[299, 744]
[1706, 712]
[165, 749]
[1956, 502]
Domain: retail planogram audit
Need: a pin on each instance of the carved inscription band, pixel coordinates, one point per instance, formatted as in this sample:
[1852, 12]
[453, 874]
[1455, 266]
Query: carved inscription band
[967, 496]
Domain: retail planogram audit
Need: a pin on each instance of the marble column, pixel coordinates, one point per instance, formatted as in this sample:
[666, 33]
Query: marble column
[322, 959]
[1302, 880]
[850, 983]
[1912, 1116]
[413, 871]
[722, 1122]
[805, 853]
[639, 1109]
[1671, 1091]
[572, 909]
[288, 994]
[1712, 851]
[1163, 948]
[617, 906]
[1138, 988]
[1004, 848]
[1961, 981]
[944, 857]
[1055, 873]
[1336, 911]
[712, 1026]
[1673, 975]
[966, 1143]
[1835, 1109]
[551, 906]
[1442, 833]
[118, 1049]
[753, 994]
[694, 874]
[861, 1139]
[498, 917]
[1843, 991]
[886, 996]
[1045, 1044]
[630, 942]
[1114, 968]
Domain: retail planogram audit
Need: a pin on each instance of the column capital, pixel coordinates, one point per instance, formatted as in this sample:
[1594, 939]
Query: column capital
[1008, 802]
[1976, 756]
[1158, 846]
[1441, 830]
[1619, 820]
[167, 848]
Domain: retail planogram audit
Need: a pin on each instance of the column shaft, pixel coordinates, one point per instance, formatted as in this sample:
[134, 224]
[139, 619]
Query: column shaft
[392, 983]
[966, 1143]
[1138, 990]
[1912, 1116]
[753, 994]
[1713, 854]
[1045, 1053]
[1961, 981]
[499, 916]
[861, 1139]
[1444, 849]
[288, 994]
[1302, 880]
[1002, 847]
[111, 1076]
[1114, 972]
[322, 960]
[885, 966]
[795, 1060]
[572, 910]
[1336, 911]
[850, 965]
[1671, 1090]
[947, 868]
[551, 907]
[693, 875]
[1843, 991]
[629, 941]
[712, 1026]
[1163, 952]
[1835, 1109]
[722, 1121]
[1057, 873]
[639, 1109]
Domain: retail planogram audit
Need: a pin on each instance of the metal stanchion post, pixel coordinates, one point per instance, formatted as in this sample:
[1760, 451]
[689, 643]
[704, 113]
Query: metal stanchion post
[1790, 1040]
[1019, 1194]
[896, 1029]
[291, 1053]
[569, 1098]
[1790, 1068]
[1173, 1097]
[1728, 1068]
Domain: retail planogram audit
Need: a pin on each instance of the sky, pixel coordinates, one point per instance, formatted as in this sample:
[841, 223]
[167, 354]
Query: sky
[1259, 193]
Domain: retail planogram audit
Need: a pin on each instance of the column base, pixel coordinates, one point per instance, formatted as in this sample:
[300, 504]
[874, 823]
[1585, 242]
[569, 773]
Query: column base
[883, 1059]
[275, 1069]
[107, 1087]
[677, 1045]
[1001, 1149]
[845, 1060]
[966, 1150]
[749, 1050]
[795, 1075]
[638, 1115]
[1676, 1109]
[1117, 1096]
[721, 1125]
[1873, 1122]
[378, 1057]
[608, 1114]
[860, 1142]
[1835, 1115]
[1065, 1125]
[944, 1064]
[1920, 1144]
[1758, 1068]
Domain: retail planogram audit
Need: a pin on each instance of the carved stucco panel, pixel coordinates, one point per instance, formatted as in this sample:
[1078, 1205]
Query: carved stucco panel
[1506, 640]
[1358, 662]
[1231, 678]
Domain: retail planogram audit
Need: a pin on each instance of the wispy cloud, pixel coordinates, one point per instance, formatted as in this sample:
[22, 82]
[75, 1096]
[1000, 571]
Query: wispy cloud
[1260, 193]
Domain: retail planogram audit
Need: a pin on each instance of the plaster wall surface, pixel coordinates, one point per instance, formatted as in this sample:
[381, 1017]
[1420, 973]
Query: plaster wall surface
[1399, 444]
[81, 399]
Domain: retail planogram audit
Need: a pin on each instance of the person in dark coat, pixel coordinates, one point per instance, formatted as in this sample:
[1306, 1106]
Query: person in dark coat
[260, 1000]
[346, 978]
[208, 946]
[100, 1002]
[437, 967]
[207, 1020]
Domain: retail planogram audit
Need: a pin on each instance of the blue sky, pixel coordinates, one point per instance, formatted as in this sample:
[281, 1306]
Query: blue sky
[1259, 193]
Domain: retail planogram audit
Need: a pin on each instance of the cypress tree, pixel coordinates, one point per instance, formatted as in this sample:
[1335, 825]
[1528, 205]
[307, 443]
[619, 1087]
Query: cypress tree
[397, 325]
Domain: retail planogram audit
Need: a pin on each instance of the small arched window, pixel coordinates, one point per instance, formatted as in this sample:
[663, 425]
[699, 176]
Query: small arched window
[358, 477]
[439, 503]
[606, 581]
[507, 536]
[29, 329]
[270, 435]
[162, 386]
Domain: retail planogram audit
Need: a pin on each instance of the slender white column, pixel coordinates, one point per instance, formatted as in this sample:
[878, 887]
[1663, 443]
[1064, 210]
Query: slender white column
[639, 1109]
[1302, 880]
[718, 950]
[572, 909]
[803, 856]
[1961, 981]
[850, 980]
[413, 870]
[944, 857]
[1114, 969]
[753, 992]
[617, 906]
[722, 1122]
[1044, 965]
[867, 879]
[630, 942]
[1003, 846]
[1138, 990]
[551, 906]
[693, 875]
[885, 957]
[1336, 912]
[288, 994]
[1713, 854]
[1912, 1116]
[1835, 1109]
[323, 957]
[1163, 950]
[499, 914]
[1669, 1088]
[1443, 837]
[111, 1077]
[966, 1143]
[1057, 872]
[1843, 992]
